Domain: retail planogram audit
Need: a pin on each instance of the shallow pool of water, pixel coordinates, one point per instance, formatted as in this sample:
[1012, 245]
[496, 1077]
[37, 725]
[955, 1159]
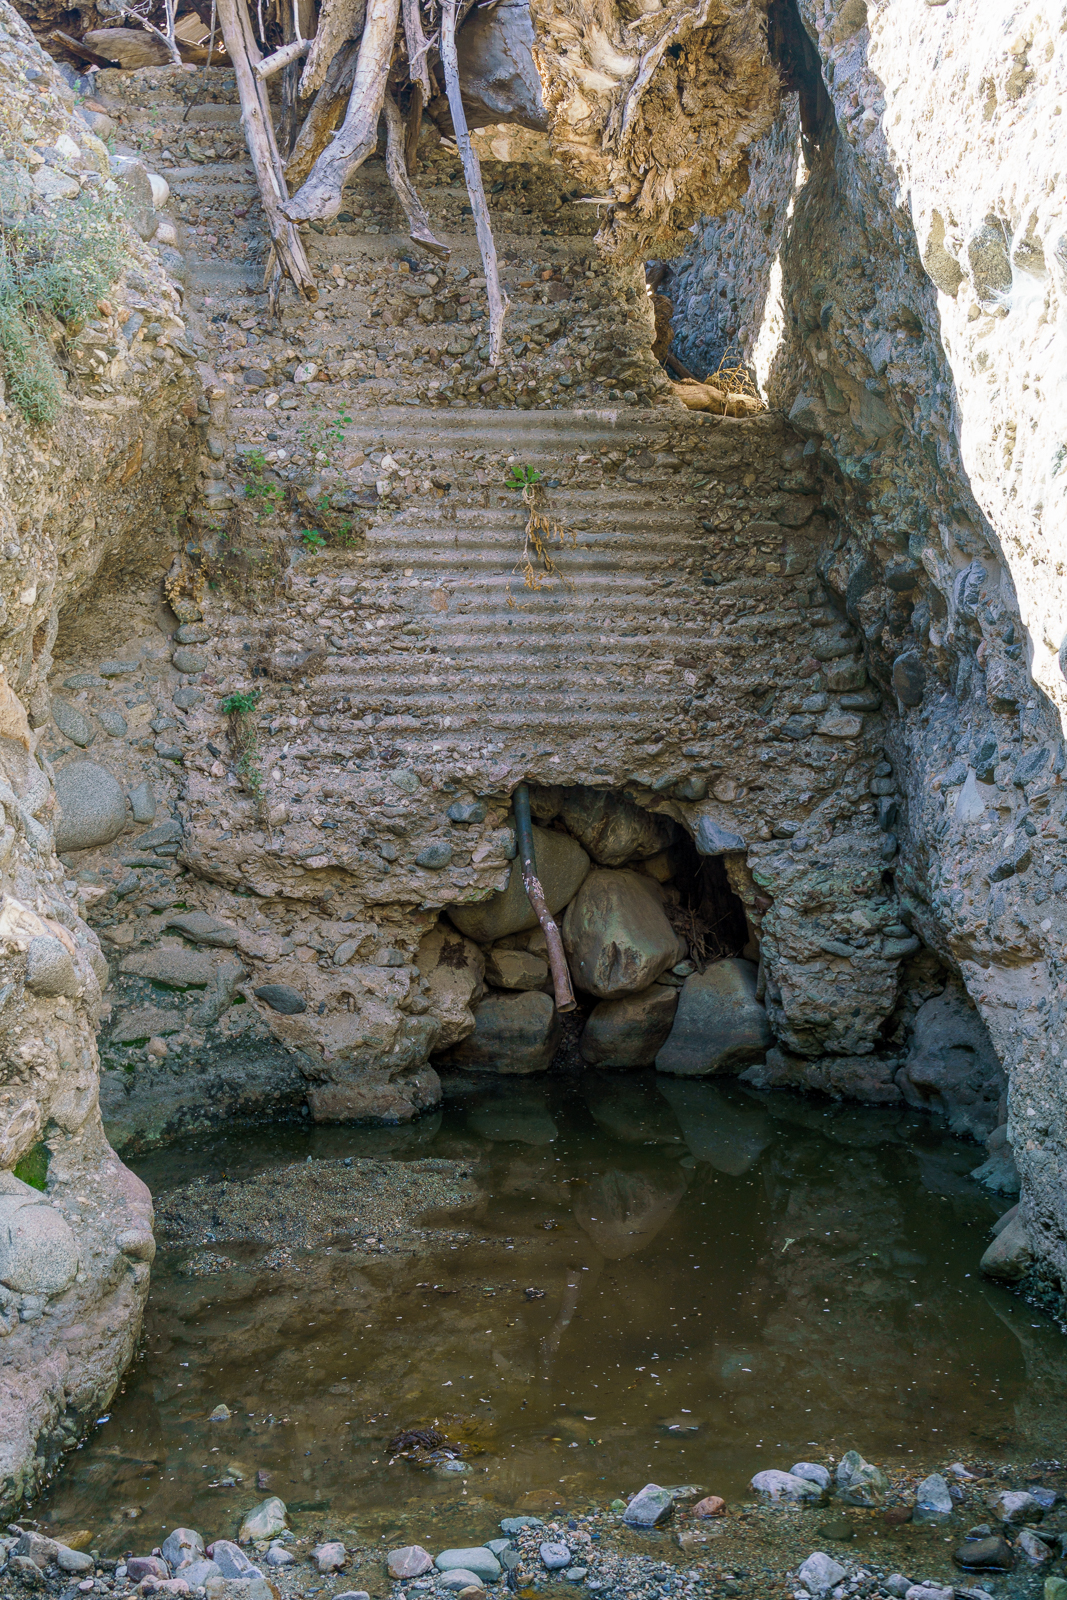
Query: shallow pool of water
[660, 1280]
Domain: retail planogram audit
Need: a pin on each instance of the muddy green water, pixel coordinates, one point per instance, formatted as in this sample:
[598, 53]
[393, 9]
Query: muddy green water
[725, 1282]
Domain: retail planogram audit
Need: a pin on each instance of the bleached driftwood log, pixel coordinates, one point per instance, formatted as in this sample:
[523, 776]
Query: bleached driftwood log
[287, 251]
[320, 197]
[395, 165]
[472, 172]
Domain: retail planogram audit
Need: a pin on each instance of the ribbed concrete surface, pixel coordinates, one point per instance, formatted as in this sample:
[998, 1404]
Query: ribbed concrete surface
[597, 661]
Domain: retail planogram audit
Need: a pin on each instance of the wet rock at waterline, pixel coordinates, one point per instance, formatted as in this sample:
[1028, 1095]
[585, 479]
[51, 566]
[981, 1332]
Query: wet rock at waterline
[263, 1521]
[774, 1484]
[454, 968]
[719, 1025]
[651, 1507]
[562, 864]
[1010, 1256]
[515, 1033]
[627, 1033]
[92, 806]
[859, 1483]
[952, 1067]
[519, 1030]
[617, 936]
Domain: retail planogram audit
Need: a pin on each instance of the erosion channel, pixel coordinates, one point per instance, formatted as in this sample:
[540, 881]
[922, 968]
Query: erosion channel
[533, 833]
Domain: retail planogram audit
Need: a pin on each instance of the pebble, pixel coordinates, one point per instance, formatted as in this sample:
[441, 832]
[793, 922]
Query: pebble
[712, 1505]
[1015, 1505]
[820, 1572]
[330, 1557]
[410, 1562]
[1034, 1549]
[813, 1472]
[513, 1525]
[776, 1485]
[932, 1499]
[186, 660]
[555, 1556]
[71, 723]
[459, 1578]
[986, 1555]
[650, 1507]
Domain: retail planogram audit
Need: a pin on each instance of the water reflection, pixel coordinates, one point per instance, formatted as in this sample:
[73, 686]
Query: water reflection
[678, 1281]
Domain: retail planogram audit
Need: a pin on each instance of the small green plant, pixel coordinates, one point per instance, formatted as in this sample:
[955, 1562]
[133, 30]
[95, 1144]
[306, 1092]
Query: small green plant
[33, 1167]
[267, 498]
[54, 270]
[523, 477]
[240, 708]
[313, 540]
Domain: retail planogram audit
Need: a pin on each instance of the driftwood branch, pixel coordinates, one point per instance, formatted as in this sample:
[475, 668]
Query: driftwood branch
[418, 46]
[287, 252]
[339, 21]
[472, 173]
[166, 39]
[327, 109]
[281, 58]
[320, 197]
[78, 49]
[561, 977]
[412, 128]
[419, 225]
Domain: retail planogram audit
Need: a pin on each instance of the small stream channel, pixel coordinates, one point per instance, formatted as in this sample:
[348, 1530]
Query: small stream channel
[658, 1279]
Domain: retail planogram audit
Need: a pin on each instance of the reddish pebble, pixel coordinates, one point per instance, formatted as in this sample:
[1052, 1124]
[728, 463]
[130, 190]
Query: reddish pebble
[713, 1506]
[896, 1515]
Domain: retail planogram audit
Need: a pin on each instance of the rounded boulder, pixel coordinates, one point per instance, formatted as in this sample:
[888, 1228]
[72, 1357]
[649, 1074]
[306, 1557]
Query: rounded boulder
[617, 936]
[92, 806]
[514, 1033]
[562, 865]
[38, 1252]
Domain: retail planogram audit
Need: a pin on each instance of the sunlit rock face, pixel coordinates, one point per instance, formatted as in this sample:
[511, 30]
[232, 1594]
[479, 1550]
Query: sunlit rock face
[897, 274]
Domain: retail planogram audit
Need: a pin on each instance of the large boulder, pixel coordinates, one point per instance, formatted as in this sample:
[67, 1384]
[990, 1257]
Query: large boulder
[454, 968]
[513, 1033]
[952, 1067]
[561, 866]
[720, 1025]
[38, 1253]
[92, 806]
[617, 936]
[612, 828]
[628, 1033]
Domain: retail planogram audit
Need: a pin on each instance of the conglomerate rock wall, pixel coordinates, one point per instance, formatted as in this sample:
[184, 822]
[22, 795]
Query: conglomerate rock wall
[75, 1224]
[897, 275]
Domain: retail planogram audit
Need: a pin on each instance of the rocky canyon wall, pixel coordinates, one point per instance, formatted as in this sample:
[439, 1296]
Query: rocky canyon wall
[897, 276]
[91, 497]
